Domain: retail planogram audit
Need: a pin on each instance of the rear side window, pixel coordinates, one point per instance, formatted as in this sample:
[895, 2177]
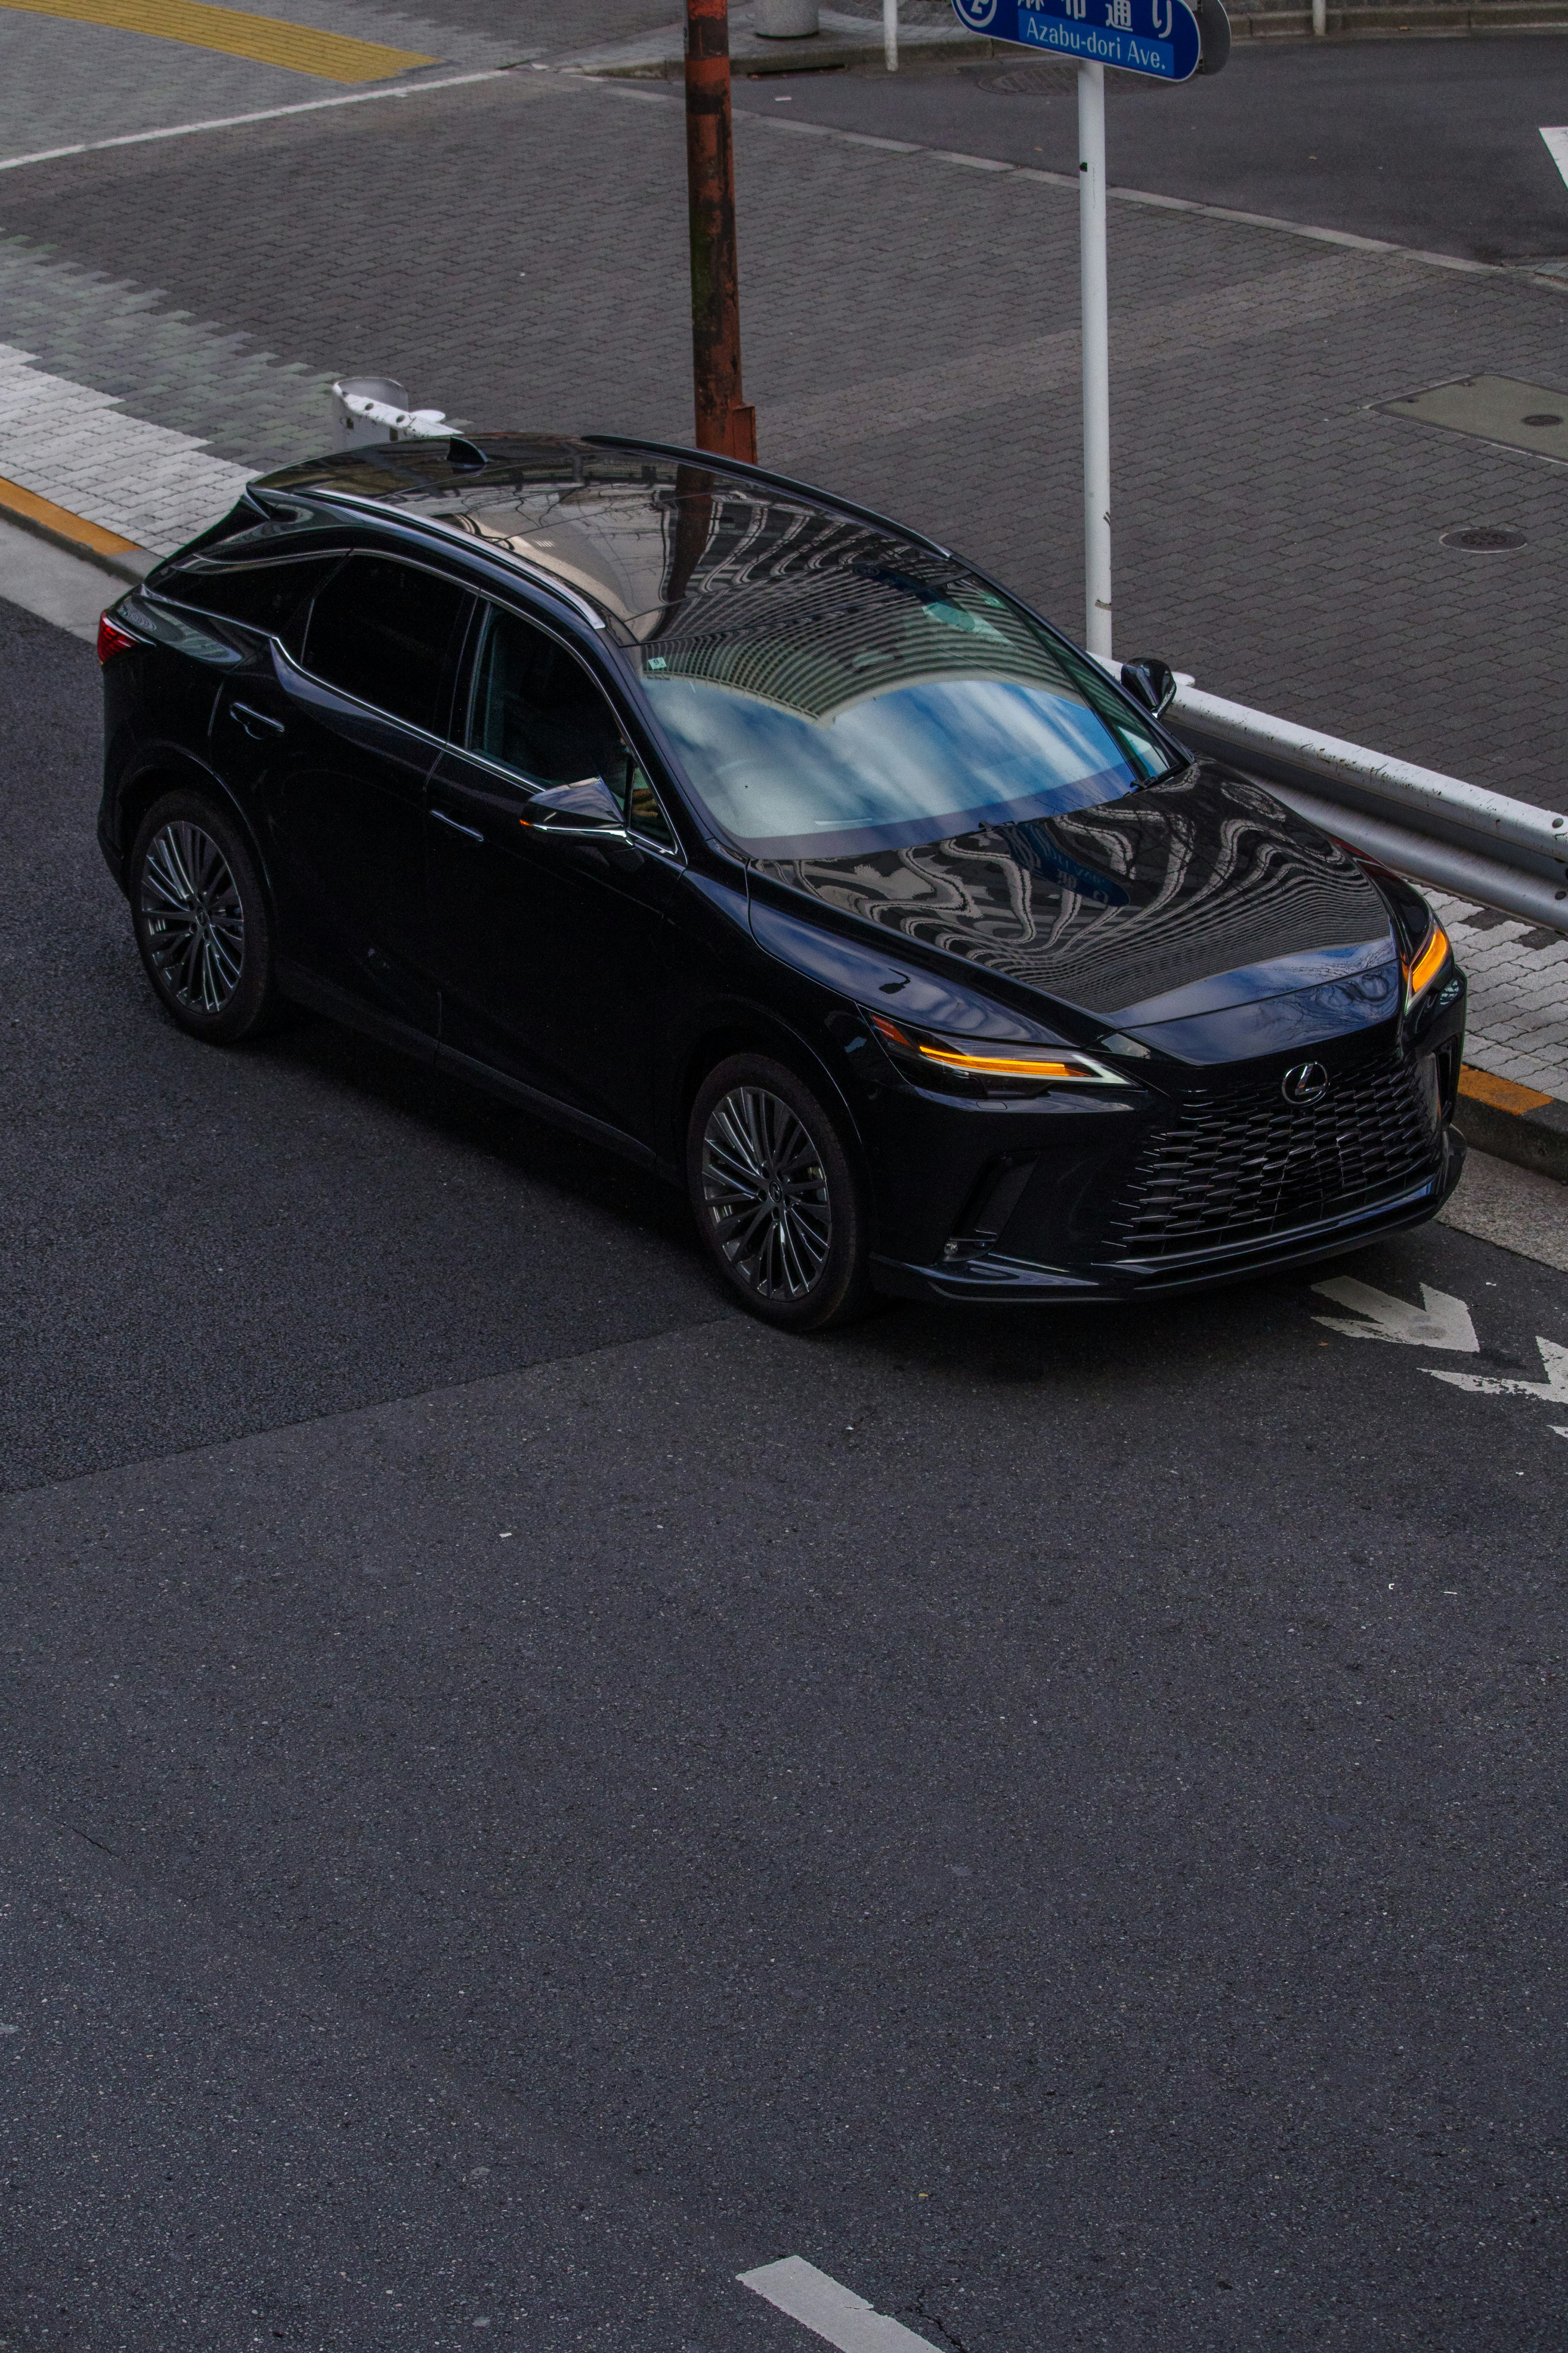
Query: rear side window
[380, 630]
[262, 596]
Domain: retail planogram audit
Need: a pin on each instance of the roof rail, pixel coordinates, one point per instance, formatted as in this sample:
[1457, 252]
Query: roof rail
[537, 574]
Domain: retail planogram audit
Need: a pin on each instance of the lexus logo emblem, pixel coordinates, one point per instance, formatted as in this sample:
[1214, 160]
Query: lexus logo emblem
[1305, 1083]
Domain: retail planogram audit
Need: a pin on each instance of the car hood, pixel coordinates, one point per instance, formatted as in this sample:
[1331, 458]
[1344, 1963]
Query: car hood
[1171, 904]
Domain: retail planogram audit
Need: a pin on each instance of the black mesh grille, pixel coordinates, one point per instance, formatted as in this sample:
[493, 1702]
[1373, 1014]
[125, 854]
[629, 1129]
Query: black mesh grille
[1235, 1169]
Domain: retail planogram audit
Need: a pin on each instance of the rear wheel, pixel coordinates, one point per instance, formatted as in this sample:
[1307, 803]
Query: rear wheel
[201, 919]
[775, 1197]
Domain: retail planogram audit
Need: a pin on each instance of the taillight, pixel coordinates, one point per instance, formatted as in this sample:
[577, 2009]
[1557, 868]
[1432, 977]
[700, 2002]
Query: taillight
[113, 639]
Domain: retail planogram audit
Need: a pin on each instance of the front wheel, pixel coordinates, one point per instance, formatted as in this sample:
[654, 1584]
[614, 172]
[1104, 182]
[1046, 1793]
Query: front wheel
[775, 1197]
[202, 921]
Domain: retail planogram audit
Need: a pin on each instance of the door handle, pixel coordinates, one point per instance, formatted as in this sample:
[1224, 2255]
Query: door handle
[255, 722]
[455, 825]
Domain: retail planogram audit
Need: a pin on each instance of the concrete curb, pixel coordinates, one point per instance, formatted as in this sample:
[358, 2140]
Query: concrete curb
[121, 558]
[657, 56]
[749, 55]
[1513, 1122]
[1384, 20]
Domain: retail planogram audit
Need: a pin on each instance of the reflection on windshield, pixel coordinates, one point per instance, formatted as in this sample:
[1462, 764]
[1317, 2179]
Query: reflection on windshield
[877, 718]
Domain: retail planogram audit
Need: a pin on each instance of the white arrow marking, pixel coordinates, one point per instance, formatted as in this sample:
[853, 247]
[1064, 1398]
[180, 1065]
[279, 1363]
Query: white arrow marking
[819, 2304]
[1557, 148]
[1442, 1322]
[1553, 1389]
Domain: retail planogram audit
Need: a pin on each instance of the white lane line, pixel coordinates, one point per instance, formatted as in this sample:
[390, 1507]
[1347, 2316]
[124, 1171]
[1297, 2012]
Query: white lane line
[828, 2310]
[267, 114]
[1557, 147]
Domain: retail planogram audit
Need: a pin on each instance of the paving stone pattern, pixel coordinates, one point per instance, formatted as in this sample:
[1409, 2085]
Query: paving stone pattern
[215, 383]
[62, 83]
[1519, 993]
[1275, 534]
[155, 488]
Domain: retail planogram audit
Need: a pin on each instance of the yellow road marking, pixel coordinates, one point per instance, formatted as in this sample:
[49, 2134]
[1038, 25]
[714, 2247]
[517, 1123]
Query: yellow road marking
[61, 524]
[1503, 1094]
[301, 48]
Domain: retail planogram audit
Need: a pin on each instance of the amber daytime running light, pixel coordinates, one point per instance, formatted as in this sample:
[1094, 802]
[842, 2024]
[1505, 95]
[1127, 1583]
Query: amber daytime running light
[1040, 1065]
[1433, 955]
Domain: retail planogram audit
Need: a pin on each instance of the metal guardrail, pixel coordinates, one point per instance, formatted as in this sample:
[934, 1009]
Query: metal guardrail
[1460, 838]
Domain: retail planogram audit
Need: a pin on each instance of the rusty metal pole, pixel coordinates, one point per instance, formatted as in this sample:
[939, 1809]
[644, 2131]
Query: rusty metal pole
[724, 422]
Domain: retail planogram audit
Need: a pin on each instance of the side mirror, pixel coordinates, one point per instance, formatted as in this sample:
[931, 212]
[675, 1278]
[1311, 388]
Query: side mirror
[1153, 683]
[587, 807]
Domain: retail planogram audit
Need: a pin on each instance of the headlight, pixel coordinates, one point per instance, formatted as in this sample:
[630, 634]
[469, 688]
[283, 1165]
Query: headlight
[1427, 964]
[959, 1066]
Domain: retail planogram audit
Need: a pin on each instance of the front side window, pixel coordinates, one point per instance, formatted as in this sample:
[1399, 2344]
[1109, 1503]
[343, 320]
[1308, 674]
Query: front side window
[536, 710]
[379, 632]
[871, 709]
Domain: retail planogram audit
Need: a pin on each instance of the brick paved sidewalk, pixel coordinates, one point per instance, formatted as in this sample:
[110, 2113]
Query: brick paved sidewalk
[1519, 993]
[911, 336]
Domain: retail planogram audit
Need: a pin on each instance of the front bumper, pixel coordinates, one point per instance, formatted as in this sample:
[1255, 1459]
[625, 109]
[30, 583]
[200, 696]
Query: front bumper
[990, 1276]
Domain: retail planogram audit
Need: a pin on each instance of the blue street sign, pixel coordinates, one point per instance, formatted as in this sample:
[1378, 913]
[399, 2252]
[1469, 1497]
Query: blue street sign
[1146, 36]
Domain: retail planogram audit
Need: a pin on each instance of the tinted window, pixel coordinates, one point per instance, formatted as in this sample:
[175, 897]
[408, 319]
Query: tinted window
[379, 632]
[536, 709]
[263, 596]
[643, 813]
[874, 708]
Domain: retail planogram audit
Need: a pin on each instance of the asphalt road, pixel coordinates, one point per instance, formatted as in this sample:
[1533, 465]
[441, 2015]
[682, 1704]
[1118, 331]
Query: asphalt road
[525, 1796]
[1432, 144]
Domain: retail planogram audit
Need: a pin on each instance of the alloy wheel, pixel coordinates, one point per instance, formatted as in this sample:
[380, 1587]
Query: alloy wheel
[192, 917]
[765, 1190]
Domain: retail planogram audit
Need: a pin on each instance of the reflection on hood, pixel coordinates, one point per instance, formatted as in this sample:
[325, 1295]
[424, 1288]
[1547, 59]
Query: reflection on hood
[1114, 907]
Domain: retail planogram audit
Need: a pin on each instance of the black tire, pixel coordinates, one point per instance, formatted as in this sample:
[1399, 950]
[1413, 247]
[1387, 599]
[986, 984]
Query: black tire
[201, 921]
[775, 1197]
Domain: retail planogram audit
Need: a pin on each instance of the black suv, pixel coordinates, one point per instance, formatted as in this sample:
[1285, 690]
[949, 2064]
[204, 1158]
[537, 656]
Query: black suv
[768, 843]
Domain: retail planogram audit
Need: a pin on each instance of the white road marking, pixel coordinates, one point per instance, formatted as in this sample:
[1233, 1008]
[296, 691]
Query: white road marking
[1557, 148]
[1442, 1322]
[267, 114]
[1553, 1389]
[828, 2310]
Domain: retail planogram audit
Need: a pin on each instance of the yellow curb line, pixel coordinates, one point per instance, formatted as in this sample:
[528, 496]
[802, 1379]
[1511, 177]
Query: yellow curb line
[73, 533]
[1503, 1094]
[266, 40]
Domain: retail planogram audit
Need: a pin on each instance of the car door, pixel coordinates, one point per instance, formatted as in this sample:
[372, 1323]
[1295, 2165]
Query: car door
[548, 906]
[340, 722]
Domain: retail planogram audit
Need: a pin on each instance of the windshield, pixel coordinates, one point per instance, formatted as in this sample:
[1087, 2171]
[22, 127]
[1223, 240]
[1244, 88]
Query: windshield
[876, 710]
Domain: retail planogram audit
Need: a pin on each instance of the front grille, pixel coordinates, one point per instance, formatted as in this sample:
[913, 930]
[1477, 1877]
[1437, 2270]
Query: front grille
[1230, 1169]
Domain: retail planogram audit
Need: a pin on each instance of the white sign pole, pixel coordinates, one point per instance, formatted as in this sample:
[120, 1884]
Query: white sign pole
[1096, 360]
[890, 34]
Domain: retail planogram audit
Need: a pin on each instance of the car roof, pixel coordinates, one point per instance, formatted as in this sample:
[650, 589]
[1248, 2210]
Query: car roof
[657, 539]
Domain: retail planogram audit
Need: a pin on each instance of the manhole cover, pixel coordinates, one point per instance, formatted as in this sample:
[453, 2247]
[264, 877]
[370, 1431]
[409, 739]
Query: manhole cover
[1493, 408]
[1484, 538]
